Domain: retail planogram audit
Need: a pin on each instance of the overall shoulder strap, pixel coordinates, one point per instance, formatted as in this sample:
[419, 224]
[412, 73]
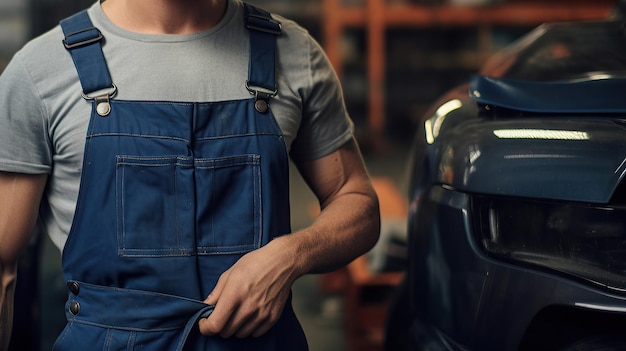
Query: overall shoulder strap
[261, 69]
[84, 42]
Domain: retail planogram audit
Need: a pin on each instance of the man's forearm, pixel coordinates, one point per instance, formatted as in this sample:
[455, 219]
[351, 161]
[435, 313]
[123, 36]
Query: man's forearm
[6, 305]
[349, 221]
[344, 230]
[249, 297]
[19, 205]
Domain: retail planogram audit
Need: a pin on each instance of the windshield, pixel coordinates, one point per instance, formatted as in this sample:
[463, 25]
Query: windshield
[564, 51]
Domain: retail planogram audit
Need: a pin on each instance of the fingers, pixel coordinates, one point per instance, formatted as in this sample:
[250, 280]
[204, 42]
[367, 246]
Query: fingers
[263, 328]
[215, 323]
[228, 321]
[214, 296]
[235, 315]
[242, 325]
[251, 320]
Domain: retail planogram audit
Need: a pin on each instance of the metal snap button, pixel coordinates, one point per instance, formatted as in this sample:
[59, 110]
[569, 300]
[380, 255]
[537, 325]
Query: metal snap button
[103, 108]
[74, 308]
[73, 287]
[261, 106]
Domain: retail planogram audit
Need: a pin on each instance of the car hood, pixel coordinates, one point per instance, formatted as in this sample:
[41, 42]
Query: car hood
[561, 157]
[545, 118]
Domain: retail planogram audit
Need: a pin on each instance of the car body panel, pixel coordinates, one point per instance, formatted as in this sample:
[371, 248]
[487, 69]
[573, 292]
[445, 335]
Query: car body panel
[499, 299]
[567, 157]
[543, 121]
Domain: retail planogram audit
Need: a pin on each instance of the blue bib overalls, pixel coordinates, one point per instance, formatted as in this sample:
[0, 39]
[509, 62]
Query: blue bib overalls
[172, 194]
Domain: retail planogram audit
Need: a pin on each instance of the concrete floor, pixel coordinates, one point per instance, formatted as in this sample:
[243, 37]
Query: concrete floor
[320, 315]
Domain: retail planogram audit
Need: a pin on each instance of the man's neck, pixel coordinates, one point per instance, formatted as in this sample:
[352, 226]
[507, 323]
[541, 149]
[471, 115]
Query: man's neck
[165, 16]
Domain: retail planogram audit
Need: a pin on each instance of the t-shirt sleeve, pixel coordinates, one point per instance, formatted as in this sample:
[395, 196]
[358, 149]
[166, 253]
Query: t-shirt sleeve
[325, 124]
[24, 143]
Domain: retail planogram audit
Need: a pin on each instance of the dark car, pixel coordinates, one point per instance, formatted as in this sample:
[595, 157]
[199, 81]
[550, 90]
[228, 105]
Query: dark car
[517, 220]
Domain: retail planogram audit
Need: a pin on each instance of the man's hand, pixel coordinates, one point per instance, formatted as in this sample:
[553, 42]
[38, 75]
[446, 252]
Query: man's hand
[249, 297]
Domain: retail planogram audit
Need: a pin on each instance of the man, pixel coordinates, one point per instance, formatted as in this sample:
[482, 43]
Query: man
[151, 139]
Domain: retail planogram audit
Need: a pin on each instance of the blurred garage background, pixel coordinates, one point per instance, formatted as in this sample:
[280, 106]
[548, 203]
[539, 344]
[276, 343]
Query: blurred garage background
[394, 57]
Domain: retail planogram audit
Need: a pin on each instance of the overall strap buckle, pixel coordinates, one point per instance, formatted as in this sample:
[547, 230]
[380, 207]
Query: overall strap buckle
[262, 96]
[263, 23]
[82, 37]
[102, 98]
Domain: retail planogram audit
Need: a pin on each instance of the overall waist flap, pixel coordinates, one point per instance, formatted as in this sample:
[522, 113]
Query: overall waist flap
[131, 309]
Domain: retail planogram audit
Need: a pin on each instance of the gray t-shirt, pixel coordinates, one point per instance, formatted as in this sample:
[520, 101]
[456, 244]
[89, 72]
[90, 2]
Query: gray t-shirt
[43, 117]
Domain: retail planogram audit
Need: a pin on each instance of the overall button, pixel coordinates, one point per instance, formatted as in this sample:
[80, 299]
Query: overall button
[74, 308]
[73, 287]
[103, 109]
[261, 106]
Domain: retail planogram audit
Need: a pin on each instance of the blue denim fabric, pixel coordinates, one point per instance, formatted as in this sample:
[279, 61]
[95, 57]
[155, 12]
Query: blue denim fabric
[172, 194]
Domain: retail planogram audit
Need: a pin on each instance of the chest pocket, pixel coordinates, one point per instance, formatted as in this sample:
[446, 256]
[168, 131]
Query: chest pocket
[181, 206]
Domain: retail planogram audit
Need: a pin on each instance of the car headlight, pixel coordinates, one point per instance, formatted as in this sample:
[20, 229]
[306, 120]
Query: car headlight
[583, 241]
